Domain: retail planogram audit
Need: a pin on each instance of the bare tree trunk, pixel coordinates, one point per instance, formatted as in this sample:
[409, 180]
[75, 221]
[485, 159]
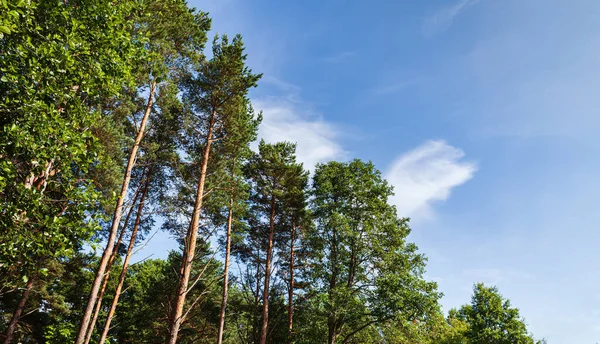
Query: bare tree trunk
[12, 326]
[255, 318]
[265, 308]
[332, 319]
[136, 226]
[87, 314]
[291, 286]
[190, 244]
[226, 273]
[90, 330]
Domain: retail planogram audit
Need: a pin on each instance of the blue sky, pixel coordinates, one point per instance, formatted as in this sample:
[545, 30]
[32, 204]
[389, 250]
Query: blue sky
[482, 113]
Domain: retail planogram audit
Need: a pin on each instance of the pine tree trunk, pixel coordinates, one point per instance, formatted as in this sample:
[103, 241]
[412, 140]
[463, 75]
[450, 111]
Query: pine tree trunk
[12, 326]
[265, 308]
[255, 315]
[87, 314]
[226, 273]
[291, 286]
[190, 244]
[136, 226]
[90, 330]
[331, 319]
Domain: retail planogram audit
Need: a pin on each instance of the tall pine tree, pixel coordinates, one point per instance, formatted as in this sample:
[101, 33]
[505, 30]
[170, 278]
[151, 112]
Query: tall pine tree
[174, 36]
[217, 84]
[277, 183]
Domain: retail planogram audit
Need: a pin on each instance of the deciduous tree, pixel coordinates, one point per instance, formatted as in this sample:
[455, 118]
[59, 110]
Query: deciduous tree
[367, 273]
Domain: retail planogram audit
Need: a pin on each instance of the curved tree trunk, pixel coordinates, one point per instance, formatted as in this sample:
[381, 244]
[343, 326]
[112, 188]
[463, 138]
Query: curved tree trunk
[90, 329]
[265, 308]
[226, 273]
[87, 314]
[192, 236]
[291, 286]
[12, 326]
[136, 226]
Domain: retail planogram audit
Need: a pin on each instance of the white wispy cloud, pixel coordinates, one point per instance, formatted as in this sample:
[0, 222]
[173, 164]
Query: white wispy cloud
[425, 175]
[286, 120]
[443, 18]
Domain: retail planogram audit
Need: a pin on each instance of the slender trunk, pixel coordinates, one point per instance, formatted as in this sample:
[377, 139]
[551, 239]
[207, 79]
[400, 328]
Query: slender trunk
[332, 319]
[265, 308]
[136, 226]
[90, 330]
[87, 314]
[255, 314]
[12, 326]
[291, 286]
[226, 273]
[190, 245]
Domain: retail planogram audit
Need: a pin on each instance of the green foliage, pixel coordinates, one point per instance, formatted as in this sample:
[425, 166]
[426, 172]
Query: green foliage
[492, 319]
[74, 83]
[364, 269]
[176, 35]
[277, 184]
[215, 100]
[52, 307]
[149, 290]
[60, 63]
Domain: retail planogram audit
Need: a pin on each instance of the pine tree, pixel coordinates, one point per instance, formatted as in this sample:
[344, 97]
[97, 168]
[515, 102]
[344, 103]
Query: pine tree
[158, 151]
[174, 36]
[297, 219]
[233, 153]
[217, 84]
[277, 181]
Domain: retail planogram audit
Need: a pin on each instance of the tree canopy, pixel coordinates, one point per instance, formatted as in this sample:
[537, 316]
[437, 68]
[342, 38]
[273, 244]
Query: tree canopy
[115, 124]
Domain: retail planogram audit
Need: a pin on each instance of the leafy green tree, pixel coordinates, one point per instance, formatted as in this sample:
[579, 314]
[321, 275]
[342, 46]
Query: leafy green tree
[492, 319]
[365, 271]
[430, 329]
[52, 311]
[147, 297]
[60, 62]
